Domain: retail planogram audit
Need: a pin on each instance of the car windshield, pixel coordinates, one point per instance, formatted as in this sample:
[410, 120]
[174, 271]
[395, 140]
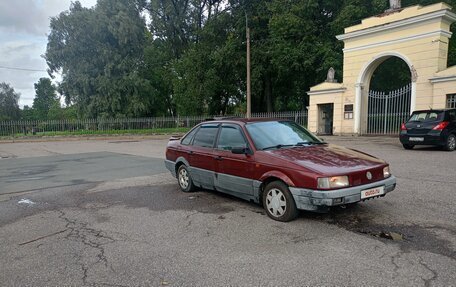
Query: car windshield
[428, 116]
[279, 134]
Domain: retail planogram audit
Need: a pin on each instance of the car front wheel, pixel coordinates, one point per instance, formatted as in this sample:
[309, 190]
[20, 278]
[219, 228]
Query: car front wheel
[450, 144]
[278, 202]
[184, 179]
[408, 146]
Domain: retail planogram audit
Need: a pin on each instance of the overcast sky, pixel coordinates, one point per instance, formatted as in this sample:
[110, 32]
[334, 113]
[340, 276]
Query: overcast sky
[24, 26]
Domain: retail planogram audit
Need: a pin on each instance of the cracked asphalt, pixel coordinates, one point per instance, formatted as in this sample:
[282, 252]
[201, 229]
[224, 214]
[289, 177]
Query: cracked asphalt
[106, 213]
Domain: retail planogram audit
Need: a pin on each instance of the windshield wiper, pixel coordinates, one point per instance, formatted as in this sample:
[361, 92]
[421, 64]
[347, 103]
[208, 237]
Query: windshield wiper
[279, 146]
[309, 143]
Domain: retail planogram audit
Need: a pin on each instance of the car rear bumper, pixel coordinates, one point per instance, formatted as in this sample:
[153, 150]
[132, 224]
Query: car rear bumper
[171, 166]
[317, 200]
[428, 139]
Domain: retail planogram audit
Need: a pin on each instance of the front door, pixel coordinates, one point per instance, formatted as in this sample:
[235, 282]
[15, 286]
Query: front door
[325, 119]
[233, 170]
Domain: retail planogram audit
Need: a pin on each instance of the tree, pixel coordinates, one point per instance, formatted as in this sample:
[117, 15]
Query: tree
[99, 52]
[45, 98]
[192, 57]
[28, 113]
[9, 103]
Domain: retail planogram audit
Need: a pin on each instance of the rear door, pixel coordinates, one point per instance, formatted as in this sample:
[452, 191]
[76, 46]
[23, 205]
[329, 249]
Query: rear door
[234, 171]
[201, 156]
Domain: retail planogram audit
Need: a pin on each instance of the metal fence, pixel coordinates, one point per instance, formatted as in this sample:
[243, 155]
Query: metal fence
[113, 126]
[386, 111]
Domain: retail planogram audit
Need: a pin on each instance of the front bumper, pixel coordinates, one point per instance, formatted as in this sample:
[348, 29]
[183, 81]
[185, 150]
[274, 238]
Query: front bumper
[318, 200]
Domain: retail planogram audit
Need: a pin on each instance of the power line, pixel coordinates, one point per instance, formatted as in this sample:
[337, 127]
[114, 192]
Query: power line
[21, 69]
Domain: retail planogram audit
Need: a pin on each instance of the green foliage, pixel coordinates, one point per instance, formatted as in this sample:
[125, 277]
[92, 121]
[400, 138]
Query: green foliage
[100, 52]
[391, 75]
[45, 99]
[191, 59]
[9, 103]
[28, 113]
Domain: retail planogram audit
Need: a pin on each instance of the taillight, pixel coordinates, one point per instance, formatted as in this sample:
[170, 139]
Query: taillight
[403, 127]
[441, 126]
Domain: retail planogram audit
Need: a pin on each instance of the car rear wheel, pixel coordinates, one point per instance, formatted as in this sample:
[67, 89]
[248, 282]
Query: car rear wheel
[184, 179]
[450, 144]
[408, 146]
[278, 202]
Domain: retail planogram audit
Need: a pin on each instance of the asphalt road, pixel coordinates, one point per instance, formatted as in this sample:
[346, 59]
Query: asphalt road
[106, 213]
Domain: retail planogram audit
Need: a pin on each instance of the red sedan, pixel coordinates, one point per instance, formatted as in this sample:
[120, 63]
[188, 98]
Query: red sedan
[276, 163]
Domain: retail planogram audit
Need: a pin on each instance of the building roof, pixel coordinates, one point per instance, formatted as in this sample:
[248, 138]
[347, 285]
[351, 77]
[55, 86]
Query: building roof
[401, 14]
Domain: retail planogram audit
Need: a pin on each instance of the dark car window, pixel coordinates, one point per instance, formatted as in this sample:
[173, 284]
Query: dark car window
[188, 138]
[279, 133]
[452, 114]
[428, 116]
[230, 137]
[205, 136]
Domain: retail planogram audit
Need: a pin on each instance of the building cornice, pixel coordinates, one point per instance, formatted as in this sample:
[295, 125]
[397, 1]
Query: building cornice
[400, 40]
[442, 79]
[327, 91]
[447, 14]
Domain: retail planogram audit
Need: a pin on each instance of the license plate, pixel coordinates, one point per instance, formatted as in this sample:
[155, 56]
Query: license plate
[372, 192]
[416, 139]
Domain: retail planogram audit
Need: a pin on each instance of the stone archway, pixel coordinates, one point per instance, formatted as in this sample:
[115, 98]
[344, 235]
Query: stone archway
[419, 35]
[363, 84]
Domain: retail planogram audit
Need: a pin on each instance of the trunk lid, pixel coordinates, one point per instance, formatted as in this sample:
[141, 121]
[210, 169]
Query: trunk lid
[422, 122]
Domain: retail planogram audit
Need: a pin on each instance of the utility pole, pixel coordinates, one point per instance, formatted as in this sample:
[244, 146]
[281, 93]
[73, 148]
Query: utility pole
[249, 99]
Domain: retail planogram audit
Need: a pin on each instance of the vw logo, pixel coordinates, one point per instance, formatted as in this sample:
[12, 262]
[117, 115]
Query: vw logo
[369, 175]
[418, 126]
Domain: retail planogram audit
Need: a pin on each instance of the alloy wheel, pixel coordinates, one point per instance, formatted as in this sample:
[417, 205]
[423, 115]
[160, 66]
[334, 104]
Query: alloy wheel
[451, 142]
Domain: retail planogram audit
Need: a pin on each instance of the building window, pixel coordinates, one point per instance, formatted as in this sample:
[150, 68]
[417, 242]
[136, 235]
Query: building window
[451, 101]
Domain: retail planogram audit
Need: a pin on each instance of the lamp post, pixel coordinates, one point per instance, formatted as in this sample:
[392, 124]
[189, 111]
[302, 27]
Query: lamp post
[249, 100]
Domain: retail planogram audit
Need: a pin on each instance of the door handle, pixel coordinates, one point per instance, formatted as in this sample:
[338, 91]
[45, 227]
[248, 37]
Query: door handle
[219, 158]
[190, 152]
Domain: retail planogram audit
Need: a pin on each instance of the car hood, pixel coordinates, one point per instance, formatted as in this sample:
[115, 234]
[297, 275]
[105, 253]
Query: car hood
[328, 159]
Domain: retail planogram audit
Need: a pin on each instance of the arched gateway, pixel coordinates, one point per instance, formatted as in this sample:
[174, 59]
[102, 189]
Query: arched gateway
[417, 35]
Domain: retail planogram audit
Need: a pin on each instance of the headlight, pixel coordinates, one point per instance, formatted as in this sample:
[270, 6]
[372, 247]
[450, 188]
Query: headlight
[333, 182]
[386, 172]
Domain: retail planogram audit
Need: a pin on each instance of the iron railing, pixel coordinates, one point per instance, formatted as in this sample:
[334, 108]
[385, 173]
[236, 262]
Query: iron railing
[386, 111]
[128, 125]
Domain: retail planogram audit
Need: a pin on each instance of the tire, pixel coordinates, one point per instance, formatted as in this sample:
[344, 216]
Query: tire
[278, 202]
[184, 179]
[450, 144]
[408, 146]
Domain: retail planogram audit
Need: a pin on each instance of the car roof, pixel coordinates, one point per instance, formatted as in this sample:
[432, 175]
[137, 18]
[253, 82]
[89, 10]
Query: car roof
[433, 110]
[242, 120]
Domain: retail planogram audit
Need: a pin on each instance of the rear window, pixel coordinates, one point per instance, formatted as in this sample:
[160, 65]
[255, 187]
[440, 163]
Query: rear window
[429, 116]
[189, 137]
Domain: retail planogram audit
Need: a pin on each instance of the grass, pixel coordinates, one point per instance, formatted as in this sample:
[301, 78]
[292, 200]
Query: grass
[98, 132]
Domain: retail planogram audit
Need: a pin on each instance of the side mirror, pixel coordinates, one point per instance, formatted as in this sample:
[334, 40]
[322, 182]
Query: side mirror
[240, 150]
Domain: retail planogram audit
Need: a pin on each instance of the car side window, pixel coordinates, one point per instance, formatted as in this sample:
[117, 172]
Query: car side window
[189, 137]
[452, 115]
[230, 137]
[205, 137]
